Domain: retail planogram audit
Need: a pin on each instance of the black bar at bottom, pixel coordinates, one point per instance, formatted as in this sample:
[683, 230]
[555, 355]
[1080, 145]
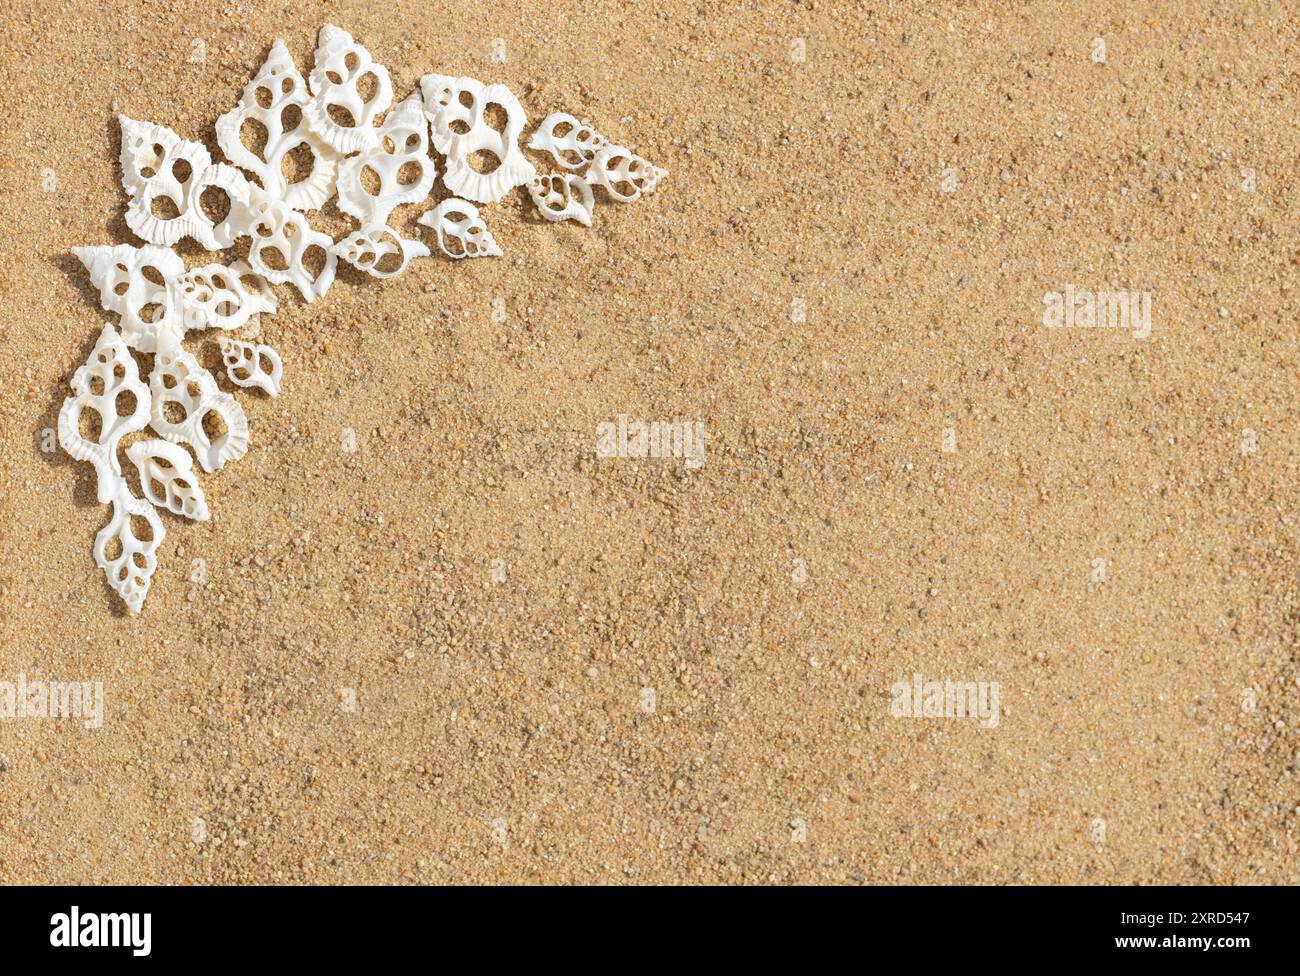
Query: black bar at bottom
[336, 926]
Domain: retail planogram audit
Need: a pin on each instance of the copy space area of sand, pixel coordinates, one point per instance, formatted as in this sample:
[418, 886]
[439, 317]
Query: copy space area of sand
[918, 181]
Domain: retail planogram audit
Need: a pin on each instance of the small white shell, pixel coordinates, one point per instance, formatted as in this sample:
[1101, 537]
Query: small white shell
[132, 571]
[158, 164]
[461, 102]
[178, 381]
[132, 282]
[220, 297]
[340, 65]
[244, 364]
[623, 174]
[406, 131]
[563, 197]
[575, 148]
[278, 229]
[461, 231]
[370, 248]
[275, 88]
[112, 371]
[167, 478]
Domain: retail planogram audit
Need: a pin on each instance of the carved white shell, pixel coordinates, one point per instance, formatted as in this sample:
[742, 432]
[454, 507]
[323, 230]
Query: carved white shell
[266, 101]
[158, 164]
[131, 572]
[220, 297]
[379, 251]
[106, 375]
[132, 282]
[563, 197]
[403, 146]
[183, 394]
[623, 174]
[252, 364]
[167, 478]
[455, 107]
[574, 147]
[341, 63]
[460, 230]
[276, 228]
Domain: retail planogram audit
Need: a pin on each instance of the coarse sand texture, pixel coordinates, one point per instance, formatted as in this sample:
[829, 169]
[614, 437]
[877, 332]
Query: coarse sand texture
[677, 443]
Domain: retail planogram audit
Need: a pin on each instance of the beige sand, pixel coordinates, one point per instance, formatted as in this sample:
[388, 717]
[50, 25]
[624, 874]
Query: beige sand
[827, 548]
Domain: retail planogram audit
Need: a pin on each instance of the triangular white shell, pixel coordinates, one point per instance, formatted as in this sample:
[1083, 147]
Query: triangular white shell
[406, 130]
[579, 139]
[107, 374]
[444, 104]
[279, 85]
[334, 84]
[366, 249]
[125, 574]
[563, 197]
[460, 230]
[157, 163]
[178, 379]
[274, 225]
[219, 297]
[166, 465]
[244, 364]
[132, 282]
[623, 174]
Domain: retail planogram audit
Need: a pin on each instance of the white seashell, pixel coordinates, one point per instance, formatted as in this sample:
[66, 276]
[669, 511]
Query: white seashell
[130, 576]
[403, 143]
[461, 231]
[623, 174]
[132, 282]
[220, 297]
[167, 478]
[563, 197]
[179, 382]
[340, 65]
[110, 370]
[575, 147]
[158, 164]
[371, 248]
[247, 364]
[445, 103]
[278, 229]
[266, 99]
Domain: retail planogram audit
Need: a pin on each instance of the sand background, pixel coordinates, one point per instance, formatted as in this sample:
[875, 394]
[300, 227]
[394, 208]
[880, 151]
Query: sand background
[499, 733]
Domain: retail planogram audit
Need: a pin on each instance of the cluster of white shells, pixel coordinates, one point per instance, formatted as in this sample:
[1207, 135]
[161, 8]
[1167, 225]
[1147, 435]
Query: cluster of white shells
[375, 158]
